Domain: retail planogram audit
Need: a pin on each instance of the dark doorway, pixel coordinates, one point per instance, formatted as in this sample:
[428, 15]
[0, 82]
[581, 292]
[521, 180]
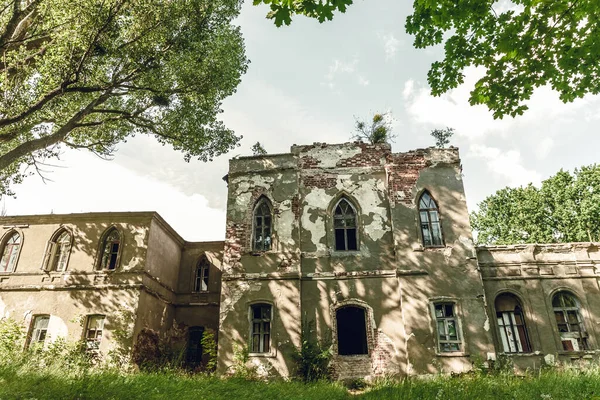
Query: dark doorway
[351, 331]
[194, 346]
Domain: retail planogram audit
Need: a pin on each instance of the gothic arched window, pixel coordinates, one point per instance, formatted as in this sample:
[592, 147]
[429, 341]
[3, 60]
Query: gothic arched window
[10, 252]
[511, 324]
[569, 322]
[429, 217]
[111, 250]
[345, 226]
[262, 226]
[201, 275]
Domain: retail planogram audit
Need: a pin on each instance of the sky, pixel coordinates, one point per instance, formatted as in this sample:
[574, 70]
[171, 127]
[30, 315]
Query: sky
[306, 83]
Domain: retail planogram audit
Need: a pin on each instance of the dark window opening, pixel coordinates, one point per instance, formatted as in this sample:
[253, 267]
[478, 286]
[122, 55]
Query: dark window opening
[261, 328]
[344, 224]
[431, 229]
[194, 346]
[511, 324]
[262, 226]
[351, 331]
[110, 250]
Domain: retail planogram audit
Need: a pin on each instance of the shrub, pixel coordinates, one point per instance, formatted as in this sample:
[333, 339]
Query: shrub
[313, 358]
[209, 347]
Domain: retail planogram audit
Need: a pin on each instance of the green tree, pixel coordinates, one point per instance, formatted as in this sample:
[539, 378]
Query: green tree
[379, 130]
[90, 73]
[529, 44]
[258, 149]
[566, 208]
[442, 136]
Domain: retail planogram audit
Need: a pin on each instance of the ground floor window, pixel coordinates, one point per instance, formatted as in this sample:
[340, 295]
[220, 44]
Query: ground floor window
[39, 330]
[569, 322]
[93, 331]
[511, 324]
[351, 331]
[447, 327]
[260, 315]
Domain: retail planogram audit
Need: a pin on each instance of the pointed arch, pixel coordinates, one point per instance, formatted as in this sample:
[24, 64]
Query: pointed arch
[262, 224]
[345, 225]
[110, 249]
[58, 250]
[429, 221]
[11, 248]
[201, 274]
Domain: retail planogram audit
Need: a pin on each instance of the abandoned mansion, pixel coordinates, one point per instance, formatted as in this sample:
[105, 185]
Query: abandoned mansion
[371, 251]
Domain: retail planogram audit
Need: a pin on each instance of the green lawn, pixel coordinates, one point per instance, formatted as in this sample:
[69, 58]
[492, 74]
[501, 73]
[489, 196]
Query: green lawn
[17, 384]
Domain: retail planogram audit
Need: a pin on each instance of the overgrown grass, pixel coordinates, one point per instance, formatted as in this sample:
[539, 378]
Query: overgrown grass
[22, 383]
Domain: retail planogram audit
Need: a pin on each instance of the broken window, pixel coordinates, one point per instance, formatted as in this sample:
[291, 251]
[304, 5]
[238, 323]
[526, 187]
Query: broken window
[260, 315]
[39, 330]
[57, 252]
[569, 322]
[511, 324]
[110, 250]
[262, 226]
[10, 252]
[194, 346]
[201, 276]
[345, 226]
[93, 331]
[431, 229]
[351, 331]
[447, 327]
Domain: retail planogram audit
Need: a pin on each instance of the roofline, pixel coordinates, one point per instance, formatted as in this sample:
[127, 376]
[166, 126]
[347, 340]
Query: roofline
[520, 246]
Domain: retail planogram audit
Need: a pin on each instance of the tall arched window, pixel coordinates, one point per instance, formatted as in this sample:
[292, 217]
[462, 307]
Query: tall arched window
[10, 252]
[111, 250]
[345, 226]
[57, 252]
[431, 229]
[511, 324]
[262, 226]
[569, 322]
[201, 275]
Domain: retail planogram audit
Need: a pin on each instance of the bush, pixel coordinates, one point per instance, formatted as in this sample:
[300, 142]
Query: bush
[313, 358]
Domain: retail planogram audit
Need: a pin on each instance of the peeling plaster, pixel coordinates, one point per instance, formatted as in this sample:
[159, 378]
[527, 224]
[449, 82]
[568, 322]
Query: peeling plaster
[285, 223]
[317, 199]
[329, 158]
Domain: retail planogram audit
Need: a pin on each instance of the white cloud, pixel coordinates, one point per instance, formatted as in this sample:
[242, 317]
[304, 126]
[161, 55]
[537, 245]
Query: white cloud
[340, 68]
[506, 164]
[390, 45]
[409, 88]
[544, 147]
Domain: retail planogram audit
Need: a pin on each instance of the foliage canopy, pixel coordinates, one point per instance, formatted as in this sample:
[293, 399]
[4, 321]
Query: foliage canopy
[566, 208]
[379, 130]
[90, 73]
[522, 44]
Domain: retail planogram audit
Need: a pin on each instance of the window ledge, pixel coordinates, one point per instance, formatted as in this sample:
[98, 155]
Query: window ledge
[263, 355]
[257, 253]
[353, 356]
[453, 354]
[530, 354]
[577, 353]
[341, 253]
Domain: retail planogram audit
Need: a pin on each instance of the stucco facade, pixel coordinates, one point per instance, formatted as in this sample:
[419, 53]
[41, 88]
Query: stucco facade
[369, 250]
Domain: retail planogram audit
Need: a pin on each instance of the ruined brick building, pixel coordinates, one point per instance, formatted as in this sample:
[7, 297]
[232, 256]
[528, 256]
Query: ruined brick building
[369, 250]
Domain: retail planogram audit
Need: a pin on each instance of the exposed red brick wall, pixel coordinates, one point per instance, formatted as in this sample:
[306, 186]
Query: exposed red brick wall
[370, 156]
[319, 181]
[308, 162]
[403, 173]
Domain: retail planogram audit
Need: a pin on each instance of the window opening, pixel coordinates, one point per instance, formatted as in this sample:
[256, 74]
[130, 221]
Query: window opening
[447, 327]
[261, 328]
[93, 331]
[511, 324]
[39, 330]
[10, 253]
[262, 226]
[351, 331]
[61, 256]
[344, 223]
[570, 322]
[430, 221]
[194, 345]
[201, 278]
[110, 252]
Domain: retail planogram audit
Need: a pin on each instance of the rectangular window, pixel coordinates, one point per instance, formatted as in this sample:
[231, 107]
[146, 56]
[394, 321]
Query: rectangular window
[447, 327]
[512, 332]
[93, 331]
[261, 328]
[39, 330]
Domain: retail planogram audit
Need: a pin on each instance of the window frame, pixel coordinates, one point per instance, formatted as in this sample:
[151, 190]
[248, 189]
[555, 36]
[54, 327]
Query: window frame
[344, 217]
[262, 200]
[429, 223]
[32, 330]
[460, 337]
[511, 329]
[97, 341]
[102, 249]
[270, 352]
[55, 251]
[5, 239]
[582, 335]
[201, 274]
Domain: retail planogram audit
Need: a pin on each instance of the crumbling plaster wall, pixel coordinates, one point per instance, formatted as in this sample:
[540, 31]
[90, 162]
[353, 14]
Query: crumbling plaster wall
[534, 273]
